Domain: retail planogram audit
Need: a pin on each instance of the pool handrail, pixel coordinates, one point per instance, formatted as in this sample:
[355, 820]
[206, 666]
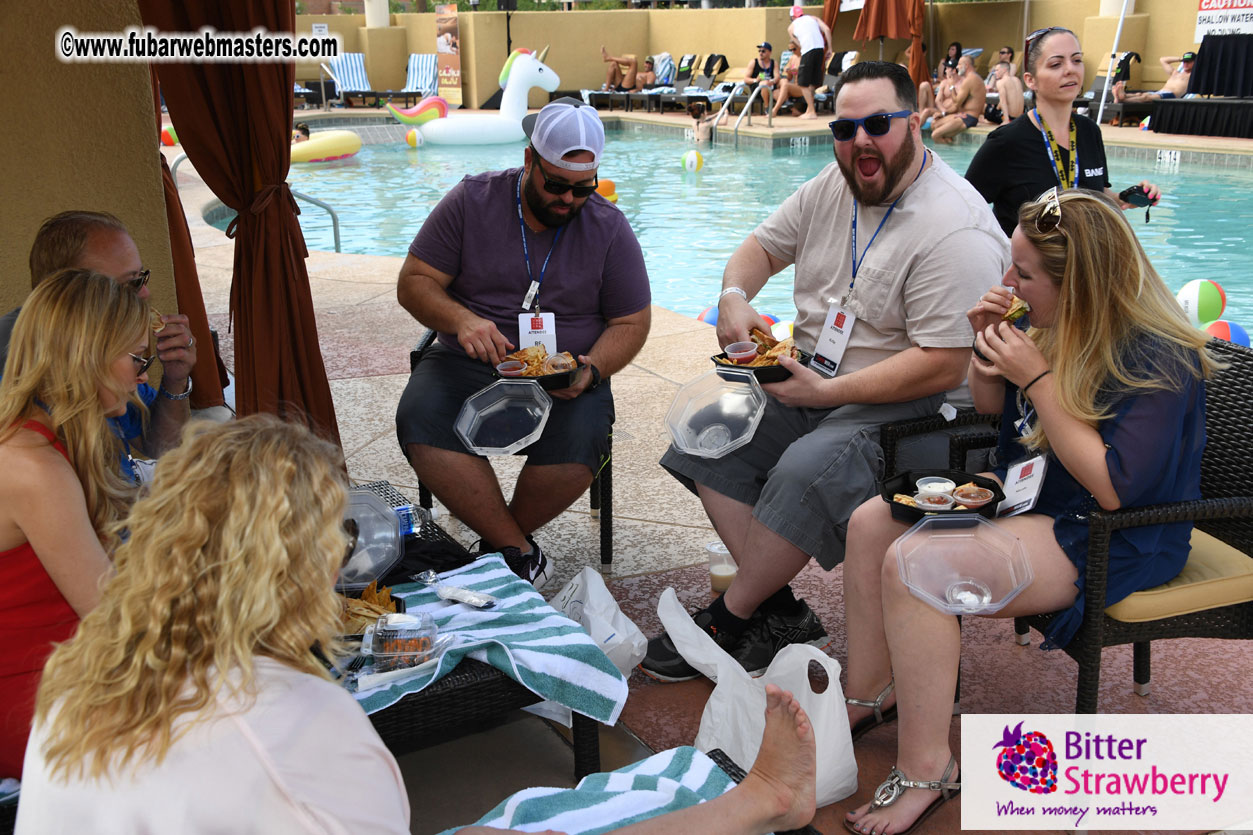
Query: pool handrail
[320, 204]
[748, 110]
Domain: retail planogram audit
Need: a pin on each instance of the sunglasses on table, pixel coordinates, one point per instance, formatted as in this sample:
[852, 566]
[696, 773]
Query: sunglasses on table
[353, 531]
[876, 125]
[558, 187]
[1051, 215]
[142, 364]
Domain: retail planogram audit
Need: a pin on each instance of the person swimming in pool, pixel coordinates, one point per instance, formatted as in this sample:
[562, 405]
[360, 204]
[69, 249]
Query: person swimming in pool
[300, 133]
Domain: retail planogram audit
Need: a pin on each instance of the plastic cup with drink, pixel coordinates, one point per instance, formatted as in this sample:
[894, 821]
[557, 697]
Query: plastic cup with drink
[721, 567]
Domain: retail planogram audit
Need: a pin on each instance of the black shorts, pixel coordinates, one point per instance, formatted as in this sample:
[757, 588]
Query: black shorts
[810, 74]
[577, 431]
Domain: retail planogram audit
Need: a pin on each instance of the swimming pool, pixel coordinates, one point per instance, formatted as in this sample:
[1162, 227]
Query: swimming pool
[688, 224]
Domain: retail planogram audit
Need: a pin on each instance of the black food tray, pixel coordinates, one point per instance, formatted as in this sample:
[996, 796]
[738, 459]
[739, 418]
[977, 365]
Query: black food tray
[904, 483]
[549, 382]
[763, 373]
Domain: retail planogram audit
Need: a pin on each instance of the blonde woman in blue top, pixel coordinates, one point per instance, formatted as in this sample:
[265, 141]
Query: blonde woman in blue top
[1108, 385]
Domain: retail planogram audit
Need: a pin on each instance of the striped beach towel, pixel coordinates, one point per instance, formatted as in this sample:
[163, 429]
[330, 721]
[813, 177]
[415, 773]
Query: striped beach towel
[522, 636]
[664, 782]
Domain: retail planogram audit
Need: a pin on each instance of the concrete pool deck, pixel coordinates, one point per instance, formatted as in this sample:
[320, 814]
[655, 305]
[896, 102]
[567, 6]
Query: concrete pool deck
[366, 337]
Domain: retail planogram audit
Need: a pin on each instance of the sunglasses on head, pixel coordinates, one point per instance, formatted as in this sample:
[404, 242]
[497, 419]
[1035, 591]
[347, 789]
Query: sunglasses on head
[142, 364]
[1039, 33]
[1051, 215]
[558, 187]
[877, 125]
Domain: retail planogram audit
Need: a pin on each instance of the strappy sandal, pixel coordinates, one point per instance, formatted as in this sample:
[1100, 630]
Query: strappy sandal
[891, 789]
[879, 717]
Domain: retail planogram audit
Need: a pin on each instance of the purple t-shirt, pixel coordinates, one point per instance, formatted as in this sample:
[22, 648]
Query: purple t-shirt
[596, 271]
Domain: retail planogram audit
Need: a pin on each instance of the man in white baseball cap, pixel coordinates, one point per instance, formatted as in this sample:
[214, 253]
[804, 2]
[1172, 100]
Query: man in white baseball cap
[513, 259]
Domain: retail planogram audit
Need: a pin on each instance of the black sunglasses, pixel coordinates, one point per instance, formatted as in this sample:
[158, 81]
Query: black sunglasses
[139, 281]
[353, 532]
[558, 187]
[876, 125]
[142, 364]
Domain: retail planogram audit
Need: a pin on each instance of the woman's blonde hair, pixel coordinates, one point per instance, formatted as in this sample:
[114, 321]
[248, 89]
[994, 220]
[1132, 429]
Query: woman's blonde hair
[72, 327]
[1117, 328]
[232, 553]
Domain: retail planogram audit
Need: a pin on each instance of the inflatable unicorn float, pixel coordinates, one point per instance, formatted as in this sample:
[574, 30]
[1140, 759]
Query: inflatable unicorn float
[522, 71]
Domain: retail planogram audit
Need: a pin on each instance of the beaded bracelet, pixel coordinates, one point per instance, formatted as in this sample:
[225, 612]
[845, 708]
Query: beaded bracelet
[182, 396]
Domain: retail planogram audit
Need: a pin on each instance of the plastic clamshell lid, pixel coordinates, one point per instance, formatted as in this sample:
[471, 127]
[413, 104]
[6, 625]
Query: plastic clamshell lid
[717, 412]
[378, 540]
[962, 564]
[504, 417]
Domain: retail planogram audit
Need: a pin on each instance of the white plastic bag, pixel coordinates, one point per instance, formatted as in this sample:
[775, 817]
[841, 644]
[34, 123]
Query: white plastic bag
[586, 601]
[734, 716]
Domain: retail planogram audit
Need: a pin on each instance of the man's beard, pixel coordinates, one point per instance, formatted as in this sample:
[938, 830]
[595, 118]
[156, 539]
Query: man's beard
[541, 209]
[893, 170]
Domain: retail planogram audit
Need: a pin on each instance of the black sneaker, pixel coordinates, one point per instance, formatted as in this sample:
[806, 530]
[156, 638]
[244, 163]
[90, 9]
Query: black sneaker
[532, 567]
[769, 633]
[664, 663]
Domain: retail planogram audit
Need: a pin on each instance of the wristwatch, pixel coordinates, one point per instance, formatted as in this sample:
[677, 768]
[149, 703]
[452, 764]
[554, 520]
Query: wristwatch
[595, 377]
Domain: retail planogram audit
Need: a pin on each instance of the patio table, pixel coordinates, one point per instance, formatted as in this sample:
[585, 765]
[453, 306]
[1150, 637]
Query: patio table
[516, 655]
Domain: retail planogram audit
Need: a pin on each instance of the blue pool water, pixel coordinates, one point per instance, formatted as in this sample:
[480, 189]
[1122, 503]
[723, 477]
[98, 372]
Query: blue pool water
[688, 224]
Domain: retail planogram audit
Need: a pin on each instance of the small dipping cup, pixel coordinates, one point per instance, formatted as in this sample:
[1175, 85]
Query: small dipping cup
[741, 353]
[933, 501]
[511, 368]
[972, 497]
[557, 364]
[935, 485]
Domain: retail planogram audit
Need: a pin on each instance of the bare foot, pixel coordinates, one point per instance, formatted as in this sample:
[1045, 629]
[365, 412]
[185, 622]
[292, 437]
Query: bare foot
[809, 114]
[902, 814]
[783, 774]
[604, 53]
[1120, 91]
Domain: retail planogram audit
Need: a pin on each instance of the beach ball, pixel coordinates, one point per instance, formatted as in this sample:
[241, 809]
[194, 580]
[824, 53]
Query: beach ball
[771, 318]
[168, 137]
[709, 315]
[692, 161]
[1230, 331]
[781, 330]
[413, 138]
[1202, 300]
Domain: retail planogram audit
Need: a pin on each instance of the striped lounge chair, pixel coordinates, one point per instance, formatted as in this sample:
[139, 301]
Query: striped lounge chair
[348, 73]
[421, 77]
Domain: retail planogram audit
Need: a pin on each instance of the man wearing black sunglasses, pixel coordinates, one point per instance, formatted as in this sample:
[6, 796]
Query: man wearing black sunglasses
[99, 241]
[511, 259]
[890, 247]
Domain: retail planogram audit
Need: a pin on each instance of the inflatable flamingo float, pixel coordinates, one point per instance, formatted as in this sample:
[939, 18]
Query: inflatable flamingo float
[522, 71]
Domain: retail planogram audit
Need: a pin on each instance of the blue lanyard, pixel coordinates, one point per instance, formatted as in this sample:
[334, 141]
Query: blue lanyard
[1047, 135]
[526, 253]
[857, 263]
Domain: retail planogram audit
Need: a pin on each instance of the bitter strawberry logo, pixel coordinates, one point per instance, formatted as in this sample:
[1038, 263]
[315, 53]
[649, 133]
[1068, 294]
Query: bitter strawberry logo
[1027, 761]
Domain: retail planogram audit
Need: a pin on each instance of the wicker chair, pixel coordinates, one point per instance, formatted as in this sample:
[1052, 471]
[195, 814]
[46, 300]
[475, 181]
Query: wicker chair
[1213, 596]
[600, 494]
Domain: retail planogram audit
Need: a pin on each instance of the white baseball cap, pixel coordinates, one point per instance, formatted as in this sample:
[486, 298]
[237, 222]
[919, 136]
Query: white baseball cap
[562, 127]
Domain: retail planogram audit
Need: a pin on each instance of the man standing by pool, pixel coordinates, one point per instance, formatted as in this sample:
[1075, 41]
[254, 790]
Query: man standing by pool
[534, 242]
[891, 247]
[812, 39]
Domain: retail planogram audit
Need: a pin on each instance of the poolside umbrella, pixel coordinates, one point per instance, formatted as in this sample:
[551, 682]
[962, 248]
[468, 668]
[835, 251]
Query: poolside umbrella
[830, 8]
[882, 19]
[234, 120]
[917, 61]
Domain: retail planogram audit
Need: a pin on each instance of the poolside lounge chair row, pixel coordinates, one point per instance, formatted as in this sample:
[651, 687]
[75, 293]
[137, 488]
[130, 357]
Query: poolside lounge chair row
[348, 72]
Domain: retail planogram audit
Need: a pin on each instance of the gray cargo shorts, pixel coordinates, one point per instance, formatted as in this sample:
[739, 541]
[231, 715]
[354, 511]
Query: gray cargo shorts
[805, 471]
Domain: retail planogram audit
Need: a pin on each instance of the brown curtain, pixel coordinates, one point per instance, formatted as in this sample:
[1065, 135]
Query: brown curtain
[830, 8]
[881, 19]
[917, 60]
[234, 122]
[209, 376]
